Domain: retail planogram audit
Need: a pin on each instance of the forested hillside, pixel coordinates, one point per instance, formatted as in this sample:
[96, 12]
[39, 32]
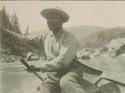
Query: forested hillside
[12, 44]
[90, 36]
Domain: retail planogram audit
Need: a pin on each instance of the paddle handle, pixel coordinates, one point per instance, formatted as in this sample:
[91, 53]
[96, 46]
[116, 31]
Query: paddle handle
[25, 63]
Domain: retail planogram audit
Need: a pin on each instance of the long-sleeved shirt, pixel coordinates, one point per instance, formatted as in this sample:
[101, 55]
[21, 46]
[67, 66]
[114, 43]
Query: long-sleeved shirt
[60, 50]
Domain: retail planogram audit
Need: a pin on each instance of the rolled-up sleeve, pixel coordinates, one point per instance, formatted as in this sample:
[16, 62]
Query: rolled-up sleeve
[67, 53]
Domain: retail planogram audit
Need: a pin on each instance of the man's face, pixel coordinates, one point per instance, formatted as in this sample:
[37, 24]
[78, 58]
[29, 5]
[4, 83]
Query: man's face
[54, 25]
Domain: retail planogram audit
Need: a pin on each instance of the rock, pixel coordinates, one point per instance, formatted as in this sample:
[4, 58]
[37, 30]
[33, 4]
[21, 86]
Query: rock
[87, 53]
[116, 47]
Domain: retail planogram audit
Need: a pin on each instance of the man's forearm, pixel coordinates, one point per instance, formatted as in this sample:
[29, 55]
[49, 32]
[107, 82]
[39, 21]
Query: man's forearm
[52, 66]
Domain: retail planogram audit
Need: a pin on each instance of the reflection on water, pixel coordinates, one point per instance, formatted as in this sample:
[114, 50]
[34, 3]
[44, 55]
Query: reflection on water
[14, 79]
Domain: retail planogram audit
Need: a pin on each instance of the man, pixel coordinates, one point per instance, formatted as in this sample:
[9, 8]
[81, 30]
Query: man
[64, 75]
[60, 48]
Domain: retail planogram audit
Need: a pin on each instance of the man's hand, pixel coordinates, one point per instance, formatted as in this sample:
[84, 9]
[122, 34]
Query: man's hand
[32, 68]
[29, 55]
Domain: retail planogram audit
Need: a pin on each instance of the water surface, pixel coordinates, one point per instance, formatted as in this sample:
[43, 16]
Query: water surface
[14, 79]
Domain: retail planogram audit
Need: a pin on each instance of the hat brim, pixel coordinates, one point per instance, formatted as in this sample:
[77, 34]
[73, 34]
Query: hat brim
[52, 13]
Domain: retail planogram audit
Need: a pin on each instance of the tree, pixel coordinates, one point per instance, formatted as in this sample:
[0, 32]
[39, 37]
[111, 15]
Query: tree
[10, 32]
[15, 23]
[5, 23]
[5, 19]
[9, 41]
[26, 32]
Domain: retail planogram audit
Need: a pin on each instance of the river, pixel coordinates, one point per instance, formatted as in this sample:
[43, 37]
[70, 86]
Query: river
[14, 79]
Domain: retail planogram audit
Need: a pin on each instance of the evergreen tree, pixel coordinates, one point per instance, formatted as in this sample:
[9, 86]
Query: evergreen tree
[5, 23]
[5, 19]
[9, 41]
[15, 23]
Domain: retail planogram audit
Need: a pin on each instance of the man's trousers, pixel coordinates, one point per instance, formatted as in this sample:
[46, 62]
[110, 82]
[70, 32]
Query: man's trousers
[73, 82]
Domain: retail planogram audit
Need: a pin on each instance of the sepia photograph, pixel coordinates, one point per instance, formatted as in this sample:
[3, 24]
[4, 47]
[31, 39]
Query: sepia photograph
[62, 46]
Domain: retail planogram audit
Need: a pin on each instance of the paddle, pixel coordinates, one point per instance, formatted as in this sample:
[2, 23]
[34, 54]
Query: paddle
[28, 66]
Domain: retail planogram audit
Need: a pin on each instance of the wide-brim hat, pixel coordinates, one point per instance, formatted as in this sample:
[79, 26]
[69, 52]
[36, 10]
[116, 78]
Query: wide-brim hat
[55, 14]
